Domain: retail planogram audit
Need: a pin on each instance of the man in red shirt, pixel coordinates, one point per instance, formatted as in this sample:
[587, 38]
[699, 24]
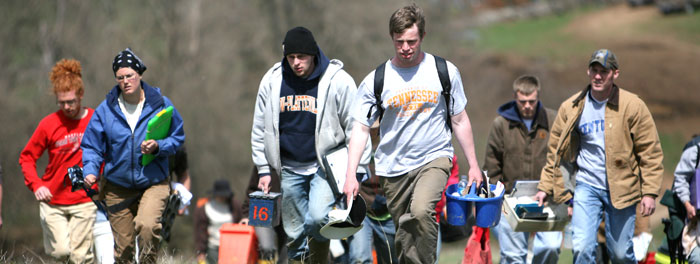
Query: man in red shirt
[67, 217]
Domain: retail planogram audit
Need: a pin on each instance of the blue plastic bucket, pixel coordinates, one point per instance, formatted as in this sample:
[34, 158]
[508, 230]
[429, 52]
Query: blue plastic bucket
[487, 212]
[458, 208]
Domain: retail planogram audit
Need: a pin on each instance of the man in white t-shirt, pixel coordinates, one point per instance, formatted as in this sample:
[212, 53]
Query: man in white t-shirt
[413, 158]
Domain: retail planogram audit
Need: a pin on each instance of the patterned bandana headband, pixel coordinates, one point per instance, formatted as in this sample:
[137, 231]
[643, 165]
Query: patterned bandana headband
[127, 59]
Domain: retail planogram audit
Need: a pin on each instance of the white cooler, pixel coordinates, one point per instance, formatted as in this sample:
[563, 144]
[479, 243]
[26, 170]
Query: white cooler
[523, 191]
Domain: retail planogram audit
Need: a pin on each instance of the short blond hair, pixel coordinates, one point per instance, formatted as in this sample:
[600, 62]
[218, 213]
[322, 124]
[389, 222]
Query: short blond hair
[526, 84]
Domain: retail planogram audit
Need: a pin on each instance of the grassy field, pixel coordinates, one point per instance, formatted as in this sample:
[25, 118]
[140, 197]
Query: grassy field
[684, 27]
[555, 38]
[536, 37]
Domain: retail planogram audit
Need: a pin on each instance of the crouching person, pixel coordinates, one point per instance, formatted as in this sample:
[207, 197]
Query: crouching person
[212, 213]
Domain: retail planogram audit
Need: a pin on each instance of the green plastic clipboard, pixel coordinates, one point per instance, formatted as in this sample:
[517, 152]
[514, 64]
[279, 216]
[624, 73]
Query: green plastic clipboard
[158, 128]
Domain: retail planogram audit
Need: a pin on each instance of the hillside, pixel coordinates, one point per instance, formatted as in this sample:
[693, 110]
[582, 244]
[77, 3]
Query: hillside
[658, 57]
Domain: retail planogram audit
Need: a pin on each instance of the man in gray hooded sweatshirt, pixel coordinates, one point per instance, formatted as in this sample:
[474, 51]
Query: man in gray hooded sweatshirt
[302, 111]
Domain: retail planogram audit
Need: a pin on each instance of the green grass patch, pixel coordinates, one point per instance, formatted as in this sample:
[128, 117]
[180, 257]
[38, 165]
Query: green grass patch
[522, 36]
[672, 145]
[541, 36]
[684, 27]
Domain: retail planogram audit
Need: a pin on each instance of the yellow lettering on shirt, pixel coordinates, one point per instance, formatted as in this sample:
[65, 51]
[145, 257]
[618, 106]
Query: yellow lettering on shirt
[298, 103]
[413, 101]
[296, 106]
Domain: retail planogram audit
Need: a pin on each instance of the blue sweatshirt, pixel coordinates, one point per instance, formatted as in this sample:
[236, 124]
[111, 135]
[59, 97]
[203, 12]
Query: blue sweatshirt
[108, 138]
[297, 120]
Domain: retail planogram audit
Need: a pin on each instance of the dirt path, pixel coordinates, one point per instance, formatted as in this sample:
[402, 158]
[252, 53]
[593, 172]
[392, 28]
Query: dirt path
[656, 65]
[614, 22]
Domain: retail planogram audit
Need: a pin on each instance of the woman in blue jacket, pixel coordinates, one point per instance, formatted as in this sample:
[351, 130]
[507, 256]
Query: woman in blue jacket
[135, 195]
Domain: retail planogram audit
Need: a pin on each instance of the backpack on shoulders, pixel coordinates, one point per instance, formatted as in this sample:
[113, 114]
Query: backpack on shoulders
[694, 143]
[441, 66]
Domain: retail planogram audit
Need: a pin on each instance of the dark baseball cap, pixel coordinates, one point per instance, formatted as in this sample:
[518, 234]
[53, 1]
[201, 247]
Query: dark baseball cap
[606, 58]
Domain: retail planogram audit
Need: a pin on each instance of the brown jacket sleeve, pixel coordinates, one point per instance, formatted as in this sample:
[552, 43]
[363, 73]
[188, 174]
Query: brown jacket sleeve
[647, 147]
[551, 168]
[493, 161]
[547, 177]
[200, 227]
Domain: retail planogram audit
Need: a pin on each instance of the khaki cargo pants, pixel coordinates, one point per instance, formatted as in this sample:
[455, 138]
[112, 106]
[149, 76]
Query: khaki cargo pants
[67, 231]
[412, 198]
[141, 218]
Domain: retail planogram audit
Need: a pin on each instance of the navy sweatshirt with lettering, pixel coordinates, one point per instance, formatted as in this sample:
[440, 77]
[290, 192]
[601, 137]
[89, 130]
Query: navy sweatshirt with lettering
[297, 120]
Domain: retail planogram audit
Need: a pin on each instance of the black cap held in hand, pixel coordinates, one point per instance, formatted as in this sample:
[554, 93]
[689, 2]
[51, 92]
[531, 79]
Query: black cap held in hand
[299, 40]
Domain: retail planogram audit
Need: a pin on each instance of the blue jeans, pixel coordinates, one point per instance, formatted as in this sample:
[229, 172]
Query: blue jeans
[589, 205]
[306, 201]
[694, 256]
[378, 233]
[514, 244]
[439, 246]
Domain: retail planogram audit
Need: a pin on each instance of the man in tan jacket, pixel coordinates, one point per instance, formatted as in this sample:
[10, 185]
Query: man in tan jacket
[605, 141]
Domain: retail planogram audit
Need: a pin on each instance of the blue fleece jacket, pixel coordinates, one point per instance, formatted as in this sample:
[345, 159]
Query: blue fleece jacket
[297, 120]
[108, 138]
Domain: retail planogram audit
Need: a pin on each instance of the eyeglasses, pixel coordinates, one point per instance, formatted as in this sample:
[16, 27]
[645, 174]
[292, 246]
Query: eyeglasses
[128, 77]
[68, 103]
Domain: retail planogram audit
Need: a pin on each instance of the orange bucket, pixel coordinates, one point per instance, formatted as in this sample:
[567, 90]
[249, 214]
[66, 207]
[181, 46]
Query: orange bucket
[237, 244]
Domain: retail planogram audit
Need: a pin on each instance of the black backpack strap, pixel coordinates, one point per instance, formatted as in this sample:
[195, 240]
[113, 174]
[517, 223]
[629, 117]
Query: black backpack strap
[126, 203]
[697, 160]
[694, 142]
[378, 88]
[441, 65]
